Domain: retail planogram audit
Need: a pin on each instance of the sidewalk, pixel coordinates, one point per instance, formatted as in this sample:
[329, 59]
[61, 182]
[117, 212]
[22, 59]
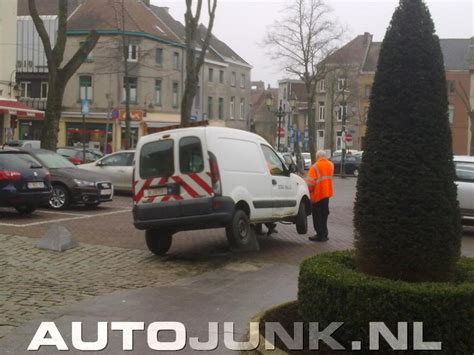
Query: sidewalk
[233, 293]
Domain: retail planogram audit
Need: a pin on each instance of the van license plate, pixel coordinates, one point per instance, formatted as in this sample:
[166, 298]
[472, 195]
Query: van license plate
[157, 191]
[36, 185]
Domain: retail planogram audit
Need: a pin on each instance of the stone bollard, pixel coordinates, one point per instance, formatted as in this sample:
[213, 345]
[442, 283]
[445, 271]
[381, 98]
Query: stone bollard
[57, 238]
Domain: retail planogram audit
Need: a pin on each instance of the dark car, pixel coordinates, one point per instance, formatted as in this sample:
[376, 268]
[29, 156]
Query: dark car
[24, 183]
[76, 155]
[71, 185]
[351, 164]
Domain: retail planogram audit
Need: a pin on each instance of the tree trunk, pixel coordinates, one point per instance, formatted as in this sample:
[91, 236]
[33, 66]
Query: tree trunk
[187, 102]
[50, 130]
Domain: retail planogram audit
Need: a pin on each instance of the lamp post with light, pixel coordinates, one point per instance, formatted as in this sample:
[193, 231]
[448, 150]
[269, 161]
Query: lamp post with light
[280, 113]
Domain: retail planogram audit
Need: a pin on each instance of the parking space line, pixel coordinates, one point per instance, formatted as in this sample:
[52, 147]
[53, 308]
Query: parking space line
[63, 219]
[61, 213]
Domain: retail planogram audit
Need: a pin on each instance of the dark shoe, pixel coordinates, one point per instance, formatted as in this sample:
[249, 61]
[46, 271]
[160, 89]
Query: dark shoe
[272, 229]
[317, 238]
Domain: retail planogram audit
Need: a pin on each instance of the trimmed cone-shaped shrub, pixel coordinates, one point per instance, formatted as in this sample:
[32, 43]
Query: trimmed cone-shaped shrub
[407, 219]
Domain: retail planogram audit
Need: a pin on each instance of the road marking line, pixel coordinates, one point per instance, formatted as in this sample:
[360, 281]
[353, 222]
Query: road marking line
[62, 219]
[61, 213]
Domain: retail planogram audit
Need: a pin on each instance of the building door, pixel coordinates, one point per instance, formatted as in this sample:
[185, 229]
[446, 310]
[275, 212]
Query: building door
[339, 140]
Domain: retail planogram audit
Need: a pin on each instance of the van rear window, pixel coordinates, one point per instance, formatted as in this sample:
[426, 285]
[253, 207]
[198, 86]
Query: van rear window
[157, 159]
[190, 155]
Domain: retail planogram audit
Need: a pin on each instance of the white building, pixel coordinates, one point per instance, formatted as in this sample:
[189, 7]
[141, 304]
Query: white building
[10, 108]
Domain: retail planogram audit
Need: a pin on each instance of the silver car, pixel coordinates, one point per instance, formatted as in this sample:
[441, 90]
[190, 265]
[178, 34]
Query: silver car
[465, 182]
[118, 167]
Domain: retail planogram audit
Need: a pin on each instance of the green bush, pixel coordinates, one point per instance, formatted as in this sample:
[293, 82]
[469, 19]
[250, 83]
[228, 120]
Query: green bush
[331, 290]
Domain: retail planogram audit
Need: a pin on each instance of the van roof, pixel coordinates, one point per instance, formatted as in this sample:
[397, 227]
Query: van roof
[213, 130]
[465, 158]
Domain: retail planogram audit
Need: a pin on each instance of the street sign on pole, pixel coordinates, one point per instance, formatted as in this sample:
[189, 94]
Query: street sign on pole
[281, 132]
[85, 107]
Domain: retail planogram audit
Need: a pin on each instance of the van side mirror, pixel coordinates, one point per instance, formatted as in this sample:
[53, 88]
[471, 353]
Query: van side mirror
[293, 168]
[99, 163]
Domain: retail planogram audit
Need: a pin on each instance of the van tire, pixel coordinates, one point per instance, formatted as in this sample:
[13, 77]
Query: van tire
[302, 219]
[158, 241]
[239, 231]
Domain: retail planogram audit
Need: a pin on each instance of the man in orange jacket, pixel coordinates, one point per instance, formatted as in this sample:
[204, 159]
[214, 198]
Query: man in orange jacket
[320, 186]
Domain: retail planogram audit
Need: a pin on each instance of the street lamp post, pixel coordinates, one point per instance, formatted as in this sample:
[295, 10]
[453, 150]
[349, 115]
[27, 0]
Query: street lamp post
[280, 113]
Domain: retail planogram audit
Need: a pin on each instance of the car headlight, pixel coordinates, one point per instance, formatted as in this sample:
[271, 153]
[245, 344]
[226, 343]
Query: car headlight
[84, 182]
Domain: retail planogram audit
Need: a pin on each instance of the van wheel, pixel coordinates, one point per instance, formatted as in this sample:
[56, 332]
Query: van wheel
[239, 232]
[302, 219]
[158, 241]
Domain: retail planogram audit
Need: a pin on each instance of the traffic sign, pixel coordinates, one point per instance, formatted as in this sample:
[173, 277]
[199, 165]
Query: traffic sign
[115, 114]
[85, 107]
[348, 137]
[281, 132]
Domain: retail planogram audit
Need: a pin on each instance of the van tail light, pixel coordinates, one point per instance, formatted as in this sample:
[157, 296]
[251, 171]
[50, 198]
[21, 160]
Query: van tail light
[9, 175]
[215, 176]
[75, 161]
[47, 177]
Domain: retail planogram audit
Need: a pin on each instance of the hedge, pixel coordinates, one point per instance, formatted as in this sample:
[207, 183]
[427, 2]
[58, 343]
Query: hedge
[331, 290]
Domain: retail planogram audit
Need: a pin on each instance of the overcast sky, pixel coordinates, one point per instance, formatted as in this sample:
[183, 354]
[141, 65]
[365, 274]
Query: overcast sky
[242, 24]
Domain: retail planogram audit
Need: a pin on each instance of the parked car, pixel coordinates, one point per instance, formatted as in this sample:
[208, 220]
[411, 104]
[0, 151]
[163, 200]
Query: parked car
[118, 167]
[307, 160]
[212, 177]
[348, 152]
[351, 164]
[465, 182]
[287, 158]
[76, 155]
[24, 183]
[24, 144]
[71, 185]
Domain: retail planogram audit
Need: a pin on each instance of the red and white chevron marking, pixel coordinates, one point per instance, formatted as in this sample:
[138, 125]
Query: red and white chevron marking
[191, 186]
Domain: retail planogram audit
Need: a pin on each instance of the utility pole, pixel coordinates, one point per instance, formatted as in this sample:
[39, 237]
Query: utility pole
[126, 79]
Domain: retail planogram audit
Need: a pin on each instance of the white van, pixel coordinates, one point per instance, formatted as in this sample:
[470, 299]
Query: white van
[212, 177]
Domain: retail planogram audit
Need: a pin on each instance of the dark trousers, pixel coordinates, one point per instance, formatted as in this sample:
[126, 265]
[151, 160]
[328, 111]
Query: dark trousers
[320, 217]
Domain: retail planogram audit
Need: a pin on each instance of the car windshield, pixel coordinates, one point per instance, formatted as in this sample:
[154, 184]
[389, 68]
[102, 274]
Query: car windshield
[14, 161]
[54, 161]
[306, 155]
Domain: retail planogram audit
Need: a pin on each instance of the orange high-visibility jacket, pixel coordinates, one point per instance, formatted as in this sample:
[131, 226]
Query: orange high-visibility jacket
[319, 180]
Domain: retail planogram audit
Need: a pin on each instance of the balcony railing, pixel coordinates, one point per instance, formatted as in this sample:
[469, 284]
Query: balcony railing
[35, 103]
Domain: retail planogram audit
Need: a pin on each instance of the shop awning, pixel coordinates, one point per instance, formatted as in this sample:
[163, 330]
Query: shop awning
[19, 109]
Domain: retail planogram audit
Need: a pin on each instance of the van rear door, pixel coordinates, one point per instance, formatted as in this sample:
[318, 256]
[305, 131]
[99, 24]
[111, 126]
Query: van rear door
[174, 167]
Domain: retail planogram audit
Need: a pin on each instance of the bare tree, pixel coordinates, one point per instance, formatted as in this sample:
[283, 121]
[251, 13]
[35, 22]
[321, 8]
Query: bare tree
[194, 62]
[302, 41]
[58, 75]
[464, 96]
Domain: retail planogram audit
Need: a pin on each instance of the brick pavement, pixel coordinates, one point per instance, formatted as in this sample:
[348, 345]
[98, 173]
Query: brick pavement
[32, 281]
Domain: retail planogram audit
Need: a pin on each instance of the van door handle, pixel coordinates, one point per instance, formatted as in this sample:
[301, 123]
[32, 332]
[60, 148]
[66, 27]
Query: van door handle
[274, 182]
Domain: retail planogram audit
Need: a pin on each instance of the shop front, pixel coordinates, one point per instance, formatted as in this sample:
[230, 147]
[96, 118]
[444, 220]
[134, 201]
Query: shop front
[95, 135]
[157, 121]
[12, 114]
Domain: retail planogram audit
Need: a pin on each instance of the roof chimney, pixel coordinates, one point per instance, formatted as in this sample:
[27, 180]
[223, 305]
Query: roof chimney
[367, 38]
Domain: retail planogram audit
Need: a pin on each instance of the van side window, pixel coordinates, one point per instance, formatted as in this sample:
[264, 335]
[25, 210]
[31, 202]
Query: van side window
[275, 165]
[190, 155]
[157, 159]
[465, 171]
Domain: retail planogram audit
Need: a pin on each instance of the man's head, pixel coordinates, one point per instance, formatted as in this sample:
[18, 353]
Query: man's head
[321, 154]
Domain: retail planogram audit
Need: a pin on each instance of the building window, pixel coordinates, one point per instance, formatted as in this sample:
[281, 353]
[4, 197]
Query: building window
[132, 53]
[368, 90]
[132, 85]
[25, 87]
[211, 75]
[159, 56]
[232, 107]
[44, 90]
[366, 113]
[158, 92]
[284, 93]
[85, 87]
[242, 108]
[322, 85]
[175, 96]
[322, 112]
[221, 108]
[341, 112]
[342, 84]
[451, 114]
[175, 61]
[221, 76]
[233, 79]
[209, 108]
[242, 81]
